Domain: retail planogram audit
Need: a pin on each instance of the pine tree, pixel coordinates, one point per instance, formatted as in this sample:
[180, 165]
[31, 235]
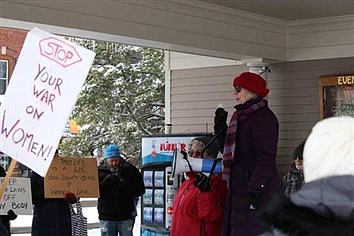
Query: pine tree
[121, 100]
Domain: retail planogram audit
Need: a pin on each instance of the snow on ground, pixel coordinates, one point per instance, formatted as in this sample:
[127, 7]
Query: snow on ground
[89, 212]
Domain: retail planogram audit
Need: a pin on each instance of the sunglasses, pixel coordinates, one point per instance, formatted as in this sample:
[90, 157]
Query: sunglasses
[297, 158]
[194, 153]
[237, 89]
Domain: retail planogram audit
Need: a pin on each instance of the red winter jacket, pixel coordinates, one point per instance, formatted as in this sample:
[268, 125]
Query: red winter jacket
[197, 213]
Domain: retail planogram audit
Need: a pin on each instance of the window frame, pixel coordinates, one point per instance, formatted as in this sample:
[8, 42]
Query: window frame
[6, 78]
[336, 83]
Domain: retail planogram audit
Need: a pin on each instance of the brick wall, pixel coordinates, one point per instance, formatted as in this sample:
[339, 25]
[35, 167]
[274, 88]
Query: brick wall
[12, 40]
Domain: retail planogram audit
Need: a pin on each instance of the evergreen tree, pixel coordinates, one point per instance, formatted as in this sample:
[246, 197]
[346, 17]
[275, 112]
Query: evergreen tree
[121, 100]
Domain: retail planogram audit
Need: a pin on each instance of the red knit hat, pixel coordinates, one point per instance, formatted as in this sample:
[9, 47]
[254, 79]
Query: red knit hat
[252, 82]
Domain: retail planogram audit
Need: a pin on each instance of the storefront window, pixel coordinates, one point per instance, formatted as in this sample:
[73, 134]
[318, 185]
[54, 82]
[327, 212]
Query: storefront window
[337, 96]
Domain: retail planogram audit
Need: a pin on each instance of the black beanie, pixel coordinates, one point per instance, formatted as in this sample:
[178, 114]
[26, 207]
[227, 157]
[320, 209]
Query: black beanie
[299, 150]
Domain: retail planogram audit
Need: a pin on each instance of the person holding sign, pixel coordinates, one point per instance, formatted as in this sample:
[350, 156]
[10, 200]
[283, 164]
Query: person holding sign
[120, 183]
[51, 216]
[3, 230]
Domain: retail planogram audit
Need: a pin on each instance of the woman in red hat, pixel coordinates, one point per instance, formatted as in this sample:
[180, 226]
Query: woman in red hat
[249, 156]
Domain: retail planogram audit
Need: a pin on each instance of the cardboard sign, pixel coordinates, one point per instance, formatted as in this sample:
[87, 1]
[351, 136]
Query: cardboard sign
[76, 175]
[43, 89]
[17, 197]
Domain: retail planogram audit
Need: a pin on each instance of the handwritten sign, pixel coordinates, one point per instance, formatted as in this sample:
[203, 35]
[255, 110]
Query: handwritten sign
[17, 197]
[42, 91]
[76, 175]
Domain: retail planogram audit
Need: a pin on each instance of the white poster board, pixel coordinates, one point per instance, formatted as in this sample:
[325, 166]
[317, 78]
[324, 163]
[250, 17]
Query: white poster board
[43, 89]
[17, 197]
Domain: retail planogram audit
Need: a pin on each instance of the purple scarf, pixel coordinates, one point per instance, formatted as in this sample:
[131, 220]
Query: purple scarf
[230, 139]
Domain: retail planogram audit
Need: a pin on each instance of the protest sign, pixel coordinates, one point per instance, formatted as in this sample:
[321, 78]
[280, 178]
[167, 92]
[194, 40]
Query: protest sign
[17, 197]
[76, 175]
[47, 79]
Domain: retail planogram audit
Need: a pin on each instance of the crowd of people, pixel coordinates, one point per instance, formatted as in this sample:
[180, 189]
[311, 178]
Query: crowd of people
[120, 185]
[248, 197]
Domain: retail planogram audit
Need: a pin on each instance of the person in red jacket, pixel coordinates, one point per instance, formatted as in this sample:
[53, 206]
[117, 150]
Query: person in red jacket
[197, 211]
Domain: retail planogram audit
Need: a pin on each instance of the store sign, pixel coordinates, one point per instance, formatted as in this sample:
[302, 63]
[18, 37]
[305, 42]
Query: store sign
[336, 96]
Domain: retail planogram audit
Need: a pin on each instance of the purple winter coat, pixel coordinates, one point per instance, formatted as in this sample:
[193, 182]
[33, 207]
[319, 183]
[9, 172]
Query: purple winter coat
[253, 171]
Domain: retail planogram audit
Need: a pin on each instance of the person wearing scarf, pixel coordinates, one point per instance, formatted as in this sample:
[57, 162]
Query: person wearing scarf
[249, 157]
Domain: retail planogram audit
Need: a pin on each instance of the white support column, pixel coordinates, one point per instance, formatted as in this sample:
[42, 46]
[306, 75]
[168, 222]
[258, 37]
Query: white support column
[167, 89]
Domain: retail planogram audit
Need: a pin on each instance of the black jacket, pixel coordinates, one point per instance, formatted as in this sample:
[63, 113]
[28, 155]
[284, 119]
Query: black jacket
[5, 221]
[292, 181]
[51, 216]
[118, 191]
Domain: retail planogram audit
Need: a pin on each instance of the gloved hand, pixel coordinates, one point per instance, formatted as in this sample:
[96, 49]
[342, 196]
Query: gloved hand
[202, 182]
[70, 197]
[11, 214]
[220, 119]
[254, 200]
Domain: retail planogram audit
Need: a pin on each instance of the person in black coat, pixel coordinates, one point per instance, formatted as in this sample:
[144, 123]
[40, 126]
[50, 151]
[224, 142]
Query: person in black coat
[120, 183]
[51, 216]
[294, 178]
[3, 230]
[5, 219]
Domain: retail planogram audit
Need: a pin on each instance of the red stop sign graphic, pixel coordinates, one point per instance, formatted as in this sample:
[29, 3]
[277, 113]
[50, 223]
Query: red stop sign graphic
[59, 51]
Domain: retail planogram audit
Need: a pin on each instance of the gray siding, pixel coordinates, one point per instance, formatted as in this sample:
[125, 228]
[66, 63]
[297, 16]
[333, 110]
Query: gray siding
[195, 94]
[295, 100]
